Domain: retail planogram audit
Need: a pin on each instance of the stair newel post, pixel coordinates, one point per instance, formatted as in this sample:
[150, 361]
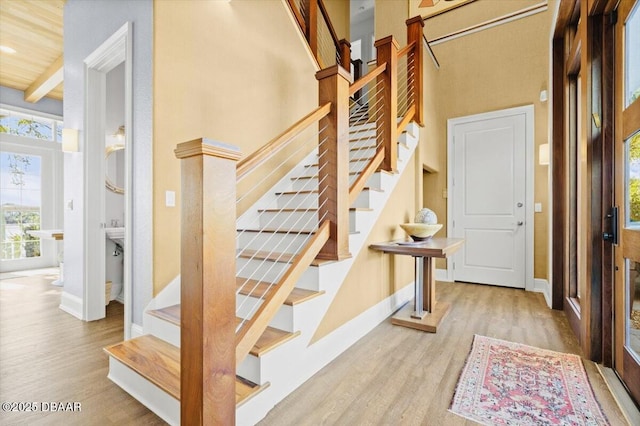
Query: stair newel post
[311, 22]
[333, 174]
[207, 265]
[345, 54]
[415, 28]
[387, 118]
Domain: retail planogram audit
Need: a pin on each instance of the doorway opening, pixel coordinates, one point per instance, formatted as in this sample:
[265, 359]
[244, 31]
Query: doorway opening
[108, 123]
[490, 169]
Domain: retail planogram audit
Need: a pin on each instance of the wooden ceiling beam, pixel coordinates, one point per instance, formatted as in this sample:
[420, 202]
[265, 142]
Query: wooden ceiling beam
[48, 80]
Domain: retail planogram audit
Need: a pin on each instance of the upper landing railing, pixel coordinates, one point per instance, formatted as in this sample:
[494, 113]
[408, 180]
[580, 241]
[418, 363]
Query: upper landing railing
[353, 132]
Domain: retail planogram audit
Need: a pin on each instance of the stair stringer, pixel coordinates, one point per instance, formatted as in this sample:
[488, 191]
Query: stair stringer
[292, 364]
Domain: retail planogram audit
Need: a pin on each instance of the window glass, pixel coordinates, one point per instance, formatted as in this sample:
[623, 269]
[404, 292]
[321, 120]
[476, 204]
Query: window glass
[20, 205]
[632, 184]
[632, 56]
[25, 125]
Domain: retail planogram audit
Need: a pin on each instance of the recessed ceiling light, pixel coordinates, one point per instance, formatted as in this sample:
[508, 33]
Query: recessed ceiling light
[7, 49]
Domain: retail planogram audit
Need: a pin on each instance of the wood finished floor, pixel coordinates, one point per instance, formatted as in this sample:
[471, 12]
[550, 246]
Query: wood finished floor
[392, 376]
[47, 355]
[400, 376]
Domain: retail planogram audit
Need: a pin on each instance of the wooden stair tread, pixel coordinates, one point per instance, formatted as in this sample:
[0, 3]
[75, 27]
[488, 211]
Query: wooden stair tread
[170, 314]
[159, 362]
[255, 288]
[152, 358]
[270, 339]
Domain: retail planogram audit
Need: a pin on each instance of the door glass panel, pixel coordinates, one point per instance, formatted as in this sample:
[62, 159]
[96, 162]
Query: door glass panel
[633, 320]
[632, 184]
[20, 204]
[632, 56]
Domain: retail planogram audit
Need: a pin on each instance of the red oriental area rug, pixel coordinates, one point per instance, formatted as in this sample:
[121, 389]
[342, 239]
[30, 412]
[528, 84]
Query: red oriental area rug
[505, 383]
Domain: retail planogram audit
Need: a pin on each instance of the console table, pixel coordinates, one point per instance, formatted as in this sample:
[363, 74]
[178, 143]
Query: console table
[426, 314]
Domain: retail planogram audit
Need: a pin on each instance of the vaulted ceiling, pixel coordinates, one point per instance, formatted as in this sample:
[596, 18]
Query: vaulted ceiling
[33, 30]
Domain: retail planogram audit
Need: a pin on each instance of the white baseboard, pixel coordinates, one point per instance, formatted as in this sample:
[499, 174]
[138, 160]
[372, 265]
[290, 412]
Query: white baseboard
[136, 331]
[442, 275]
[72, 305]
[542, 286]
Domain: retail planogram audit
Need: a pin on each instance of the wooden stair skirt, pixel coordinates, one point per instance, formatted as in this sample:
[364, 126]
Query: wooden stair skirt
[159, 363]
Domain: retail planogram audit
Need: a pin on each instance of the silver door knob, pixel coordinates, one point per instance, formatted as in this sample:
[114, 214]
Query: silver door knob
[520, 204]
[520, 223]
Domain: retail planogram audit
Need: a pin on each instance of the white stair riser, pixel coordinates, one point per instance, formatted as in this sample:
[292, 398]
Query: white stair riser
[364, 199]
[259, 269]
[269, 271]
[246, 306]
[150, 395]
[272, 241]
[307, 220]
[162, 329]
[298, 200]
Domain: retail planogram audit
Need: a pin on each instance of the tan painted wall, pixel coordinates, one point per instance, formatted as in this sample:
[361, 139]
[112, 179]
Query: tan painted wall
[502, 67]
[375, 275]
[236, 72]
[339, 14]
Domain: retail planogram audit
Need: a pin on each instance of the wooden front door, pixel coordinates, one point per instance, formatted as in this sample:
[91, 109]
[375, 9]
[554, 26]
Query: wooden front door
[627, 197]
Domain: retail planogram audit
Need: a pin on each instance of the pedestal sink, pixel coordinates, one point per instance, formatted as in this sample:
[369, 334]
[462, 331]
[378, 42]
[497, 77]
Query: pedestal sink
[116, 235]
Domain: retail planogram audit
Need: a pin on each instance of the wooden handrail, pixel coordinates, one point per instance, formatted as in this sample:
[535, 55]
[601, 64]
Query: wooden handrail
[262, 154]
[358, 185]
[406, 49]
[327, 20]
[298, 15]
[251, 331]
[367, 79]
[411, 112]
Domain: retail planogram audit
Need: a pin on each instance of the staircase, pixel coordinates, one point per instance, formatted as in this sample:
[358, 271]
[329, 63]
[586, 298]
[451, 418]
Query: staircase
[148, 367]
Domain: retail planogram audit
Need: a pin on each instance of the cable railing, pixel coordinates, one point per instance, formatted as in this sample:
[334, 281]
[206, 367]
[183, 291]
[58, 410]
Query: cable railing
[314, 21]
[236, 271]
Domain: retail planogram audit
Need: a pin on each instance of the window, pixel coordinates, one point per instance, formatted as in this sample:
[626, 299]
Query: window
[30, 187]
[30, 126]
[20, 205]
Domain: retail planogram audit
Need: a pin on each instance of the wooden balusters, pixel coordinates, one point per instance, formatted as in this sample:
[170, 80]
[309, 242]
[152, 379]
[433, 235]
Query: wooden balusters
[333, 174]
[387, 134]
[208, 289]
[415, 27]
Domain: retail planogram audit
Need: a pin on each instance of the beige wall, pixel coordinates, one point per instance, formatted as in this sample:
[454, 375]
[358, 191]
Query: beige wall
[339, 14]
[237, 72]
[499, 68]
[375, 275]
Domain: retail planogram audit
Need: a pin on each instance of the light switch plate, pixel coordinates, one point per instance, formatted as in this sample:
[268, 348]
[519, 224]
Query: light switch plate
[170, 198]
[537, 207]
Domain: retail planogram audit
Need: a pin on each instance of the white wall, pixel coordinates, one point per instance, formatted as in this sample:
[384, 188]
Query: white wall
[87, 25]
[13, 97]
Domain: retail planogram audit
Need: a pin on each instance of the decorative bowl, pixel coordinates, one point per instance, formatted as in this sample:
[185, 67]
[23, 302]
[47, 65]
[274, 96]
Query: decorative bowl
[420, 231]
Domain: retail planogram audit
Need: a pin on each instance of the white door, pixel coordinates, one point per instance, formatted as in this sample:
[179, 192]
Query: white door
[489, 196]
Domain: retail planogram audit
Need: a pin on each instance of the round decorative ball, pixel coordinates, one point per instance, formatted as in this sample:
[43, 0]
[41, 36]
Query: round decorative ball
[427, 216]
